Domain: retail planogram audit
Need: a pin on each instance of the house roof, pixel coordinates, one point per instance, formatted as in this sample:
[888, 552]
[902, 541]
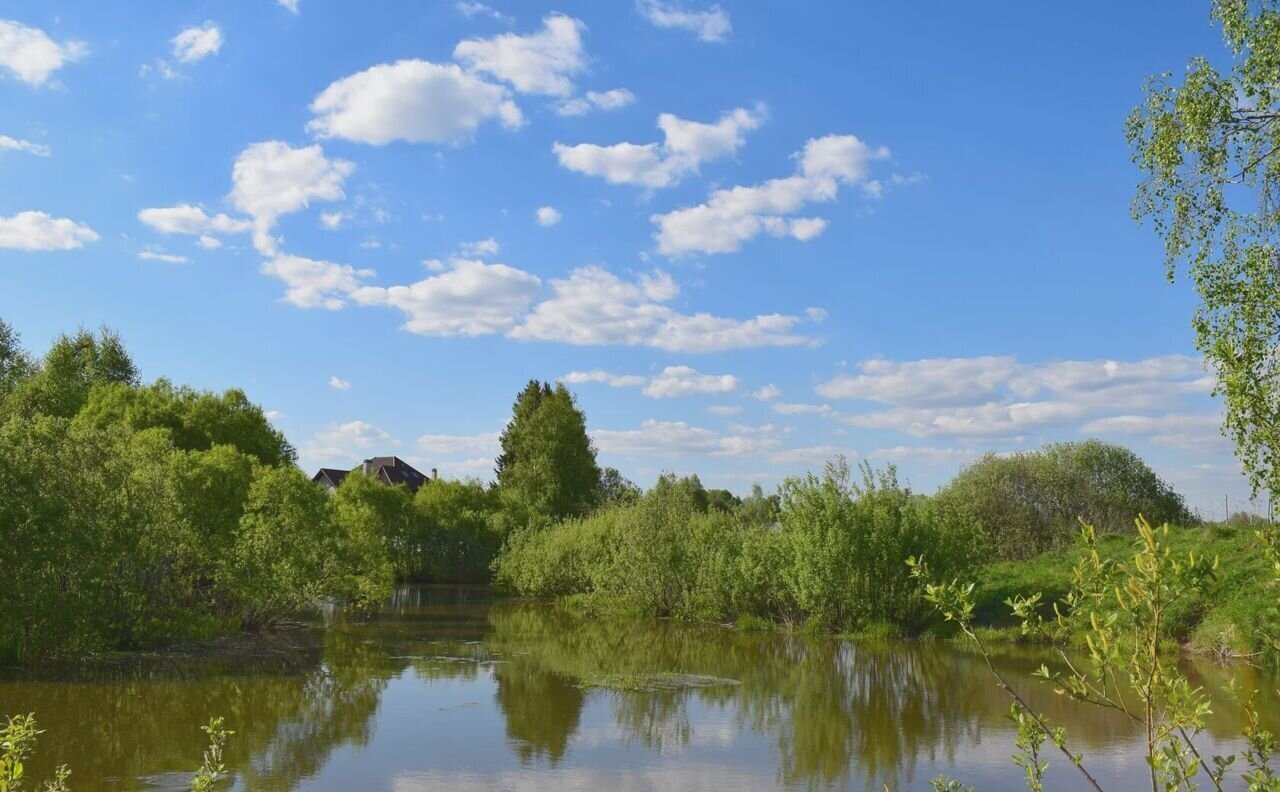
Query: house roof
[390, 470]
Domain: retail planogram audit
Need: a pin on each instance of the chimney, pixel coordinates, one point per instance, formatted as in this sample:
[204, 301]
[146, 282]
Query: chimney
[435, 474]
[366, 466]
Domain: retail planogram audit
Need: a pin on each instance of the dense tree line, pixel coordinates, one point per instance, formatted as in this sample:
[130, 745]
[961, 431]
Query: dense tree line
[829, 550]
[132, 513]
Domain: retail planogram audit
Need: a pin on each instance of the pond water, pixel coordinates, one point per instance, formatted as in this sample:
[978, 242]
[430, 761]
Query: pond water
[448, 690]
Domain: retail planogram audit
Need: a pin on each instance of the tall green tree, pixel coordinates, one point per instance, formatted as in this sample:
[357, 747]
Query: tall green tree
[15, 364]
[1209, 147]
[548, 464]
[72, 367]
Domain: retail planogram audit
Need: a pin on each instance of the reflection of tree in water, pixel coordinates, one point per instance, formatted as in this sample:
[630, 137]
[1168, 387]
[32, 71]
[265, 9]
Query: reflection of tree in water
[840, 714]
[838, 710]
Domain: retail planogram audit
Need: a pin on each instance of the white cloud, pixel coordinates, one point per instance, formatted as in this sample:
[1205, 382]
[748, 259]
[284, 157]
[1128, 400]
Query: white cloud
[684, 381]
[192, 220]
[548, 216]
[677, 438]
[787, 408]
[471, 8]
[997, 396]
[614, 99]
[290, 5]
[411, 100]
[209, 242]
[315, 284]
[482, 247]
[724, 409]
[944, 381]
[811, 455]
[341, 443]
[34, 231]
[536, 63]
[332, 220]
[599, 375]
[594, 307]
[338, 383]
[485, 443]
[272, 179]
[471, 298]
[686, 145]
[710, 25]
[1191, 431]
[168, 258]
[31, 56]
[767, 392]
[736, 215]
[923, 454]
[13, 144]
[196, 43]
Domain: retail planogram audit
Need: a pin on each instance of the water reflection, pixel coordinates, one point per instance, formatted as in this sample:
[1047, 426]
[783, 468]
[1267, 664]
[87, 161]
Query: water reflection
[448, 690]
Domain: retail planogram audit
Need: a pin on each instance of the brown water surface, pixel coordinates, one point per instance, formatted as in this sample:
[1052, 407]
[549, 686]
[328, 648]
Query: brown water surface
[448, 690]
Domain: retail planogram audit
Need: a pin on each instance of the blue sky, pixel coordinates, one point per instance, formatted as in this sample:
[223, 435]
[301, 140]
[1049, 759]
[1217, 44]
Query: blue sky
[750, 237]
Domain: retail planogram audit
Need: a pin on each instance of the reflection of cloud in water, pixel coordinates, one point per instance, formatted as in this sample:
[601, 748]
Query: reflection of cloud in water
[668, 778]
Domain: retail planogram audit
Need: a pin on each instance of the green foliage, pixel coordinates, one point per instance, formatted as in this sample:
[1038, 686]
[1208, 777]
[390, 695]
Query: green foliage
[17, 741]
[213, 769]
[196, 420]
[548, 465]
[1119, 607]
[825, 557]
[1029, 502]
[1209, 149]
[457, 529]
[131, 515]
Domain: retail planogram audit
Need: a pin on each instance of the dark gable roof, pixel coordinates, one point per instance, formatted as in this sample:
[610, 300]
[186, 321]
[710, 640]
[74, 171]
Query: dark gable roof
[393, 470]
[332, 476]
[390, 470]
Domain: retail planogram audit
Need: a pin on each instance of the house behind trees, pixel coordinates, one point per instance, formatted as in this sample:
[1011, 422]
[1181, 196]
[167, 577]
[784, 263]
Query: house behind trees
[389, 470]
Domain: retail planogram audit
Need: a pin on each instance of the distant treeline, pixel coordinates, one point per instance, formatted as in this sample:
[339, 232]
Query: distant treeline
[134, 513]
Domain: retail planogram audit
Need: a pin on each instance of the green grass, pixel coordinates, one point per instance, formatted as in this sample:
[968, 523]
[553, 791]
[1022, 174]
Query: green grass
[1235, 617]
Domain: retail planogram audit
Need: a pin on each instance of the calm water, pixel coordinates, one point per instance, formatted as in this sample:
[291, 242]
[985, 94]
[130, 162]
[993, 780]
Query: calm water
[448, 691]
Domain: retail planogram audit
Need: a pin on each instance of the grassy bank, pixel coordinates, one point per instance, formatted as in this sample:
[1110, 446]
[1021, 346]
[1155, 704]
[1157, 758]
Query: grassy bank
[1235, 616]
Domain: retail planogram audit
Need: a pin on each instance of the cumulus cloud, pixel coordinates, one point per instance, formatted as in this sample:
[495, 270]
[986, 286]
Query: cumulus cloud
[767, 392]
[310, 283]
[338, 383]
[712, 24]
[547, 216]
[735, 215]
[536, 63]
[470, 298]
[340, 443]
[595, 307]
[484, 443]
[30, 55]
[168, 258]
[796, 408]
[998, 396]
[411, 100]
[290, 5]
[14, 144]
[947, 381]
[811, 455]
[272, 179]
[196, 43]
[684, 381]
[37, 231]
[677, 438]
[599, 375]
[686, 145]
[194, 221]
[471, 8]
[596, 100]
[1189, 431]
[481, 247]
